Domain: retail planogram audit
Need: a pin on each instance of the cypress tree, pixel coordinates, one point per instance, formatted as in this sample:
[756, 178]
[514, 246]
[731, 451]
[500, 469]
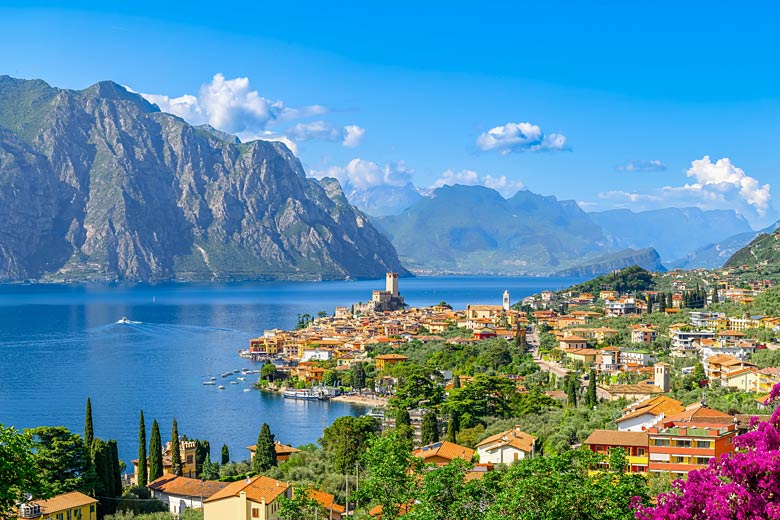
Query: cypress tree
[89, 434]
[101, 463]
[265, 452]
[572, 390]
[456, 381]
[142, 469]
[225, 454]
[155, 453]
[202, 453]
[452, 427]
[115, 474]
[429, 432]
[592, 398]
[176, 467]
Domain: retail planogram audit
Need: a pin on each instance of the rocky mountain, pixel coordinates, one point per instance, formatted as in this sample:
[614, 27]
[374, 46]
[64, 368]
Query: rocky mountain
[648, 259]
[764, 250]
[715, 255]
[673, 232]
[473, 229]
[99, 184]
[384, 200]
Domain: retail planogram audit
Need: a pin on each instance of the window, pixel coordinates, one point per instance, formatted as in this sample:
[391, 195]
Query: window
[683, 444]
[255, 512]
[77, 514]
[640, 452]
[92, 508]
[189, 459]
[703, 460]
[676, 459]
[662, 442]
[59, 516]
[703, 444]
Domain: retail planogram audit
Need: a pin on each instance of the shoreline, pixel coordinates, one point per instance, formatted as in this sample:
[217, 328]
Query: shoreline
[361, 400]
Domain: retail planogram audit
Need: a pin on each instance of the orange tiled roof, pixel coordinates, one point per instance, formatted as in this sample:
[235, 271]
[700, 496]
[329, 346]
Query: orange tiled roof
[655, 406]
[699, 412]
[256, 488]
[616, 438]
[65, 501]
[446, 450]
[514, 438]
[187, 487]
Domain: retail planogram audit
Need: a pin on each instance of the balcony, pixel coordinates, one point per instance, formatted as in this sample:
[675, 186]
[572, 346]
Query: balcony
[29, 511]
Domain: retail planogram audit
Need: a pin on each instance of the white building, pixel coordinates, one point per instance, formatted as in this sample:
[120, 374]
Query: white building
[506, 447]
[180, 493]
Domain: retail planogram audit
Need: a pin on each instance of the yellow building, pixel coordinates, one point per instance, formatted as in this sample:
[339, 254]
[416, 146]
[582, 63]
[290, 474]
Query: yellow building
[388, 359]
[249, 499]
[70, 506]
[187, 452]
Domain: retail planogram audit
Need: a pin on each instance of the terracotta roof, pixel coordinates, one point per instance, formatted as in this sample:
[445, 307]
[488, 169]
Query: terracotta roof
[616, 438]
[281, 449]
[446, 450]
[65, 501]
[573, 339]
[633, 389]
[256, 488]
[326, 500]
[186, 487]
[392, 357]
[698, 412]
[514, 438]
[655, 406]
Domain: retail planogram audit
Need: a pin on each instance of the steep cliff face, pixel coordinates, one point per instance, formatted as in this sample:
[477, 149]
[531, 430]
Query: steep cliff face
[647, 259]
[100, 184]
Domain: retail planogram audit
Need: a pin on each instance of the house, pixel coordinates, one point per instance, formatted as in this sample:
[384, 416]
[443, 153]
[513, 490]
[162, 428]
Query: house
[443, 452]
[385, 360]
[72, 506]
[648, 412]
[330, 509]
[187, 452]
[634, 443]
[644, 335]
[283, 451]
[253, 498]
[180, 493]
[484, 333]
[584, 355]
[573, 343]
[506, 447]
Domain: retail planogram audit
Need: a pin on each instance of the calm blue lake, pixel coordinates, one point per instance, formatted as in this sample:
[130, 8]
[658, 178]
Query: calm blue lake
[60, 344]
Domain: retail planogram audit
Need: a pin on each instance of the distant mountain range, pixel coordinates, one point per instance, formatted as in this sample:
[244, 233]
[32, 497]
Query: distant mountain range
[716, 254]
[473, 229]
[99, 184]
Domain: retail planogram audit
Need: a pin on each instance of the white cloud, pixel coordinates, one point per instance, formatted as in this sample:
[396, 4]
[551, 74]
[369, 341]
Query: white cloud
[722, 176]
[507, 187]
[360, 174]
[350, 135]
[231, 105]
[353, 135]
[719, 185]
[653, 165]
[519, 137]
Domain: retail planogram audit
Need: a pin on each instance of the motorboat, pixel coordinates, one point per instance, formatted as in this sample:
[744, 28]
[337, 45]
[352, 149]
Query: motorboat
[209, 382]
[124, 321]
[220, 387]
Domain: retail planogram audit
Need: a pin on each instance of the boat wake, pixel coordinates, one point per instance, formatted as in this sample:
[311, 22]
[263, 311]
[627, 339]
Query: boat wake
[124, 321]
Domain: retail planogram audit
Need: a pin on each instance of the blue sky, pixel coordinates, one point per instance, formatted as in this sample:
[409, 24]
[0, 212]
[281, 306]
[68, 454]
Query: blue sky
[612, 104]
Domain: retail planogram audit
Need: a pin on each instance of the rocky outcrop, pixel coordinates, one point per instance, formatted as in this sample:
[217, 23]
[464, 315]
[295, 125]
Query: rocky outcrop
[99, 184]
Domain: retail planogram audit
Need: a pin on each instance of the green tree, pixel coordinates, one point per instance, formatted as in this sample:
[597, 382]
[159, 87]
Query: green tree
[63, 459]
[455, 382]
[446, 495]
[572, 387]
[225, 455]
[429, 431]
[142, 469]
[155, 453]
[541, 488]
[210, 469]
[415, 387]
[176, 465]
[390, 468]
[358, 373]
[592, 397]
[19, 471]
[346, 439]
[268, 372]
[89, 432]
[265, 452]
[202, 452]
[453, 427]
[302, 506]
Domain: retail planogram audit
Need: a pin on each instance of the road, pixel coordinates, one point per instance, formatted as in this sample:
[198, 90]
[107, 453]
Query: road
[533, 347]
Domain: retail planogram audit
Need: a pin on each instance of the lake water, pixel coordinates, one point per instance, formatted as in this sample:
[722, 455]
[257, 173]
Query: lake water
[60, 344]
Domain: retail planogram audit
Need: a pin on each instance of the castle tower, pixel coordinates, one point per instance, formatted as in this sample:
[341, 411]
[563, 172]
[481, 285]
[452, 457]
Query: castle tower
[662, 374]
[506, 300]
[391, 284]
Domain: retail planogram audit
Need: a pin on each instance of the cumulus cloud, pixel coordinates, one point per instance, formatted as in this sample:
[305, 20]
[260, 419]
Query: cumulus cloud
[361, 174]
[350, 136]
[519, 137]
[507, 187]
[723, 177]
[231, 105]
[642, 166]
[718, 185]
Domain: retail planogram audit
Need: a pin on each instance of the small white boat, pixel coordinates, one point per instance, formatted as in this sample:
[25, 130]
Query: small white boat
[209, 382]
[247, 389]
[234, 382]
[241, 378]
[220, 387]
[124, 321]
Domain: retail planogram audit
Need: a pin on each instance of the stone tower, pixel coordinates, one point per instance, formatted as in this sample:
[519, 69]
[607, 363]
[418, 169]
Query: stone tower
[391, 284]
[506, 300]
[662, 374]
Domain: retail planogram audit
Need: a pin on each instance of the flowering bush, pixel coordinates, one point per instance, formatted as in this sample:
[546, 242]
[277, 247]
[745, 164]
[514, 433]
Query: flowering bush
[744, 485]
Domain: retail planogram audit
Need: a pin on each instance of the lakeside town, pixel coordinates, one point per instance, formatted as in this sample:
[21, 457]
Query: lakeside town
[636, 376]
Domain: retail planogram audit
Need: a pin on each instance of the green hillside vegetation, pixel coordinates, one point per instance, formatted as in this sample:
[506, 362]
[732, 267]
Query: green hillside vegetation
[764, 250]
[632, 279]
